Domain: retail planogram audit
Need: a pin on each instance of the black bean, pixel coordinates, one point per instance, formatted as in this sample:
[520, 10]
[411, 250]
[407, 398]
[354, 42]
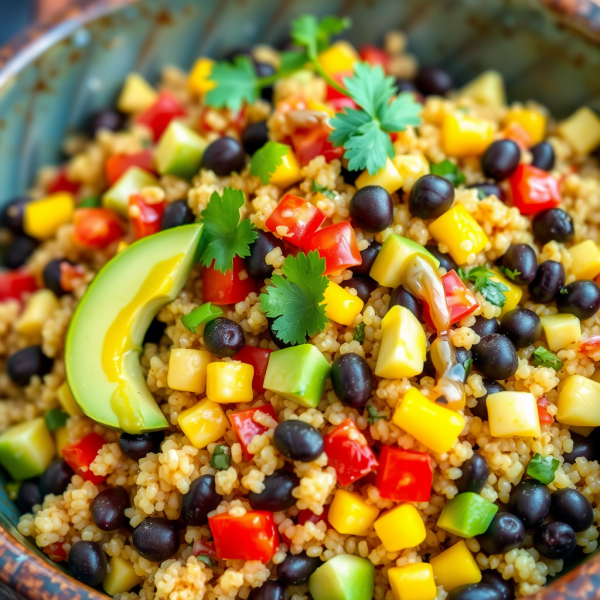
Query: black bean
[405, 85]
[495, 357]
[352, 379]
[155, 332]
[177, 213]
[223, 337]
[53, 275]
[256, 264]
[433, 81]
[201, 499]
[269, 590]
[29, 495]
[298, 440]
[500, 159]
[475, 472]
[372, 209]
[156, 539]
[255, 136]
[553, 224]
[276, 339]
[350, 177]
[505, 533]
[277, 495]
[480, 409]
[583, 447]
[521, 326]
[87, 563]
[137, 445]
[368, 255]
[108, 508]
[580, 298]
[110, 119]
[18, 251]
[224, 156]
[12, 216]
[506, 587]
[56, 478]
[530, 502]
[555, 540]
[549, 279]
[521, 258]
[23, 364]
[487, 189]
[430, 197]
[363, 286]
[265, 70]
[462, 355]
[543, 156]
[483, 326]
[474, 591]
[296, 569]
[400, 297]
[446, 260]
[573, 508]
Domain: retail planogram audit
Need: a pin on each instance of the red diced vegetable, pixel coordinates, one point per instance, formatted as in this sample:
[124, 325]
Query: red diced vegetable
[339, 104]
[97, 227]
[310, 143]
[308, 515]
[228, 288]
[55, 552]
[516, 133]
[543, 414]
[119, 164]
[332, 93]
[69, 275]
[245, 427]
[374, 56]
[62, 183]
[533, 189]
[14, 284]
[204, 548]
[80, 455]
[161, 113]
[259, 359]
[590, 345]
[404, 475]
[337, 245]
[146, 218]
[299, 216]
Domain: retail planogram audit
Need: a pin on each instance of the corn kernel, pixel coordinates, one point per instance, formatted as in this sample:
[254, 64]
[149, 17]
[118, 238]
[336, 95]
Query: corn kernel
[532, 121]
[433, 425]
[199, 81]
[203, 423]
[578, 402]
[187, 370]
[228, 382]
[350, 514]
[561, 330]
[388, 178]
[455, 566]
[466, 136]
[43, 217]
[400, 528]
[61, 439]
[137, 95]
[413, 582]
[339, 57]
[121, 577]
[486, 89]
[341, 306]
[513, 295]
[288, 172]
[581, 130]
[66, 400]
[410, 167]
[513, 414]
[586, 260]
[454, 228]
[39, 309]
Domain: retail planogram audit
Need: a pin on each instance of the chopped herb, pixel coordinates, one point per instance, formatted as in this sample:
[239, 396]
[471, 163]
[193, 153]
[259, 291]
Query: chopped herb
[55, 418]
[468, 365]
[225, 236]
[510, 273]
[563, 291]
[481, 195]
[448, 170]
[91, 202]
[206, 559]
[545, 358]
[359, 332]
[482, 278]
[221, 458]
[323, 190]
[12, 489]
[373, 415]
[543, 468]
[237, 83]
[200, 315]
[266, 160]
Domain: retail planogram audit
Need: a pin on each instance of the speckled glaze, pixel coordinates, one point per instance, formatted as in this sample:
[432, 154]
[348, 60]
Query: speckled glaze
[53, 77]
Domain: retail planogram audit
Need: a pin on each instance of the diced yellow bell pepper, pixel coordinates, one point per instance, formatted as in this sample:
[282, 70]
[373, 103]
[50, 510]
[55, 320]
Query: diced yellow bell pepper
[61, 439]
[435, 426]
[581, 130]
[455, 566]
[66, 400]
[403, 345]
[513, 295]
[203, 423]
[388, 178]
[400, 528]
[43, 217]
[578, 402]
[561, 330]
[228, 382]
[460, 232]
[288, 172]
[122, 245]
[413, 582]
[586, 260]
[199, 81]
[187, 370]
[410, 167]
[39, 309]
[121, 577]
[486, 89]
[339, 57]
[466, 136]
[513, 414]
[532, 121]
[350, 514]
[584, 431]
[316, 105]
[137, 95]
[341, 306]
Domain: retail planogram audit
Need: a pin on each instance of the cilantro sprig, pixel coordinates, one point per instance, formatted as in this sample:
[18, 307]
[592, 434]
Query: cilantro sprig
[373, 416]
[509, 273]
[266, 160]
[221, 458]
[448, 170]
[294, 301]
[482, 278]
[543, 468]
[316, 188]
[359, 332]
[545, 358]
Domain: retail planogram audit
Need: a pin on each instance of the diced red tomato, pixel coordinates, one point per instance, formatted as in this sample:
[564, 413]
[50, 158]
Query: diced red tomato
[590, 345]
[146, 218]
[349, 453]
[310, 143]
[332, 93]
[516, 133]
[339, 104]
[252, 536]
[97, 227]
[374, 56]
[62, 183]
[337, 245]
[204, 548]
[228, 288]
[80, 455]
[245, 427]
[160, 114]
[55, 552]
[69, 275]
[259, 359]
[306, 515]
[119, 164]
[404, 475]
[533, 189]
[299, 216]
[13, 284]
[542, 405]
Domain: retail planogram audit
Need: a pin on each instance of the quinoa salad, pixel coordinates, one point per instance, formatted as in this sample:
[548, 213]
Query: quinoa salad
[312, 323]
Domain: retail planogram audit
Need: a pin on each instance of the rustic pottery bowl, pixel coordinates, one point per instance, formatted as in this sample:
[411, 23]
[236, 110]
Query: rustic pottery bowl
[55, 76]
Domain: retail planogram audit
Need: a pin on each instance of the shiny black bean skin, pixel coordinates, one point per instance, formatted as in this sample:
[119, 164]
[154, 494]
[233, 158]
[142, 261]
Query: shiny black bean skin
[368, 255]
[573, 508]
[201, 499]
[480, 409]
[549, 279]
[156, 539]
[400, 297]
[298, 440]
[276, 339]
[521, 326]
[372, 209]
[553, 224]
[277, 495]
[23, 364]
[446, 260]
[505, 587]
[352, 380]
[52, 276]
[110, 119]
[430, 197]
[18, 251]
[542, 156]
[223, 337]
[500, 159]
[350, 177]
[29, 495]
[483, 326]
[530, 502]
[137, 445]
[108, 508]
[296, 569]
[56, 478]
[487, 189]
[495, 357]
[269, 590]
[462, 355]
[555, 540]
[363, 286]
[87, 563]
[474, 591]
[12, 216]
[255, 264]
[155, 332]
[521, 258]
[583, 447]
[265, 70]
[255, 136]
[433, 81]
[177, 213]
[475, 472]
[224, 156]
[505, 533]
[580, 298]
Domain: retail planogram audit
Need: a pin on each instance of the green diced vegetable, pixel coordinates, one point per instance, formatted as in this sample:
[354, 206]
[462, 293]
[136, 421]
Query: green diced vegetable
[359, 332]
[545, 358]
[90, 202]
[467, 515]
[55, 418]
[344, 577]
[200, 316]
[543, 468]
[180, 151]
[221, 458]
[131, 182]
[12, 489]
[448, 170]
[206, 559]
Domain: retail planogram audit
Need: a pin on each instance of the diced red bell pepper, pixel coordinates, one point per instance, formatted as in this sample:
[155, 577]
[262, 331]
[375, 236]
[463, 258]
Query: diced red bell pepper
[245, 427]
[97, 227]
[62, 183]
[517, 133]
[119, 164]
[55, 552]
[306, 515]
[299, 216]
[332, 93]
[69, 275]
[339, 104]
[374, 56]
[533, 189]
[310, 143]
[590, 345]
[543, 414]
[160, 114]
[204, 548]
[252, 536]
[337, 245]
[227, 288]
[80, 455]
[146, 218]
[349, 453]
[404, 475]
[13, 284]
[259, 359]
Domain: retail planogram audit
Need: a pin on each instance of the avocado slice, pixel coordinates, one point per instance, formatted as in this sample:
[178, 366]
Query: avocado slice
[102, 353]
[344, 577]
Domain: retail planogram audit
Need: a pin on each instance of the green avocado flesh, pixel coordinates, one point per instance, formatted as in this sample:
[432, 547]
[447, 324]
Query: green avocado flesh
[467, 515]
[104, 341]
[344, 577]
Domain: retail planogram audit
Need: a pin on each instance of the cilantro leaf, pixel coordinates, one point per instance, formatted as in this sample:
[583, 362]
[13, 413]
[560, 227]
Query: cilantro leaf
[545, 358]
[482, 278]
[359, 332]
[314, 35]
[221, 458]
[266, 160]
[449, 171]
[224, 235]
[543, 468]
[294, 301]
[510, 273]
[373, 415]
[293, 60]
[370, 88]
[345, 124]
[200, 315]
[55, 418]
[368, 148]
[206, 559]
[315, 188]
[468, 365]
[481, 195]
[236, 83]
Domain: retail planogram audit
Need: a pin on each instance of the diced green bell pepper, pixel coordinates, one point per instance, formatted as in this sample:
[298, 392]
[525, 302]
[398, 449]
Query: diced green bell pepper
[467, 515]
[180, 151]
[131, 182]
[344, 577]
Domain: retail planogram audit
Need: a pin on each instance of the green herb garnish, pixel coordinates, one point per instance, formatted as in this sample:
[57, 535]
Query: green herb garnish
[563, 291]
[200, 315]
[221, 458]
[482, 278]
[543, 468]
[481, 195]
[545, 358]
[55, 418]
[359, 332]
[373, 416]
[448, 170]
[315, 188]
[91, 202]
[510, 273]
[468, 365]
[266, 160]
[206, 559]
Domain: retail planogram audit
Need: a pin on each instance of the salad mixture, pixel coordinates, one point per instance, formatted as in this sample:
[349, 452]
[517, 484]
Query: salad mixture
[308, 323]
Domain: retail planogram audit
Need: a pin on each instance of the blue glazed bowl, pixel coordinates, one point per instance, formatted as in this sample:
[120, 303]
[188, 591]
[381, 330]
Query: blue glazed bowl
[54, 77]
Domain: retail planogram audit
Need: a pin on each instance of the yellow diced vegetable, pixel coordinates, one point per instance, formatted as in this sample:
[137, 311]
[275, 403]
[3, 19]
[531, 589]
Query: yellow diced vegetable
[316, 105]
[137, 95]
[460, 232]
[400, 528]
[39, 309]
[403, 345]
[433, 425]
[584, 431]
[455, 566]
[187, 370]
[121, 577]
[513, 295]
[581, 130]
[388, 178]
[561, 330]
[341, 306]
[350, 514]
[532, 121]
[199, 81]
[466, 136]
[413, 582]
[43, 217]
[339, 57]
[66, 400]
[288, 172]
[586, 260]
[513, 414]
[228, 382]
[486, 89]
[410, 167]
[203, 423]
[122, 245]
[61, 439]
[578, 402]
